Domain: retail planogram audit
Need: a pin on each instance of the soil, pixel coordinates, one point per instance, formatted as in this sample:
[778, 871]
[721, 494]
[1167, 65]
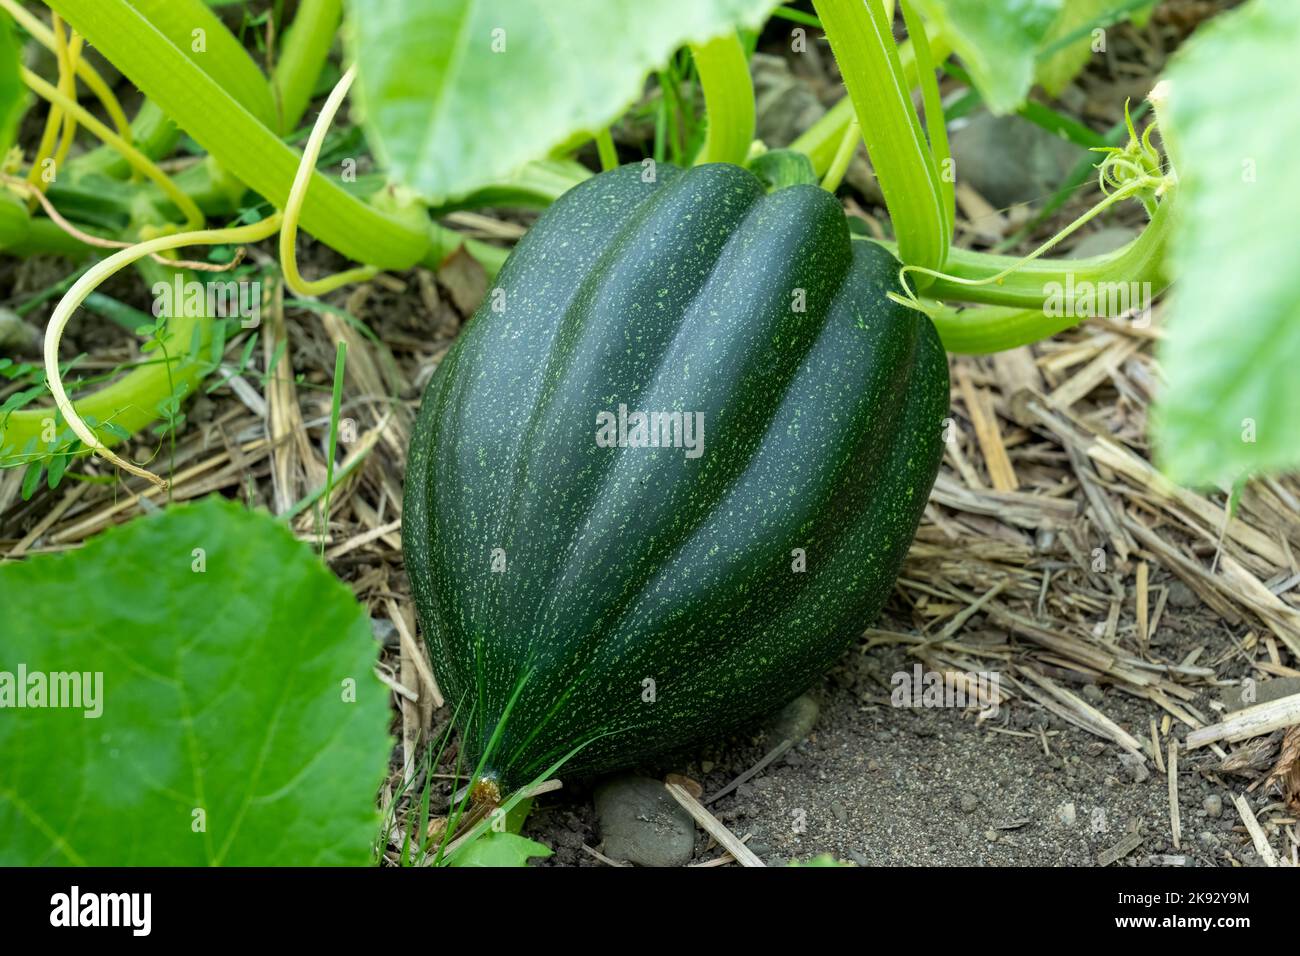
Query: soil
[875, 784]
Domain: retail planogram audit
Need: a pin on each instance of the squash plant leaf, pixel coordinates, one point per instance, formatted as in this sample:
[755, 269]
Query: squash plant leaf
[226, 706]
[998, 42]
[1232, 398]
[457, 94]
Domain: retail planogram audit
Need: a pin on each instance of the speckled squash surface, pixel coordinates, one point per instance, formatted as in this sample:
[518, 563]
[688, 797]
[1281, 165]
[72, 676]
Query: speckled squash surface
[637, 597]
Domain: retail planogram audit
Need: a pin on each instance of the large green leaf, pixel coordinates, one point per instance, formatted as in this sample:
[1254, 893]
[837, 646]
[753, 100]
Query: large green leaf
[457, 94]
[1232, 354]
[240, 721]
[998, 40]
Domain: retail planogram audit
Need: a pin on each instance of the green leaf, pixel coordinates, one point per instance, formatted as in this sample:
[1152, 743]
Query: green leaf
[499, 849]
[1232, 395]
[1069, 44]
[998, 42]
[457, 94]
[1057, 70]
[226, 732]
[13, 95]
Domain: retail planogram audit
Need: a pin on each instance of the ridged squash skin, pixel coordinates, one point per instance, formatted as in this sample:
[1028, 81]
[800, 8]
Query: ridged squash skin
[635, 597]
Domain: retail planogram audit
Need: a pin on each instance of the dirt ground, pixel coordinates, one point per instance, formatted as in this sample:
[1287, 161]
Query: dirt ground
[878, 785]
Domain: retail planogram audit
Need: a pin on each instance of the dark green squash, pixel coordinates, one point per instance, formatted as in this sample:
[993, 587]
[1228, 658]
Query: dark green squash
[644, 598]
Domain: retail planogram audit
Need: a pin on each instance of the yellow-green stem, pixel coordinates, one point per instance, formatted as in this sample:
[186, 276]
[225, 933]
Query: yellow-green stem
[298, 195]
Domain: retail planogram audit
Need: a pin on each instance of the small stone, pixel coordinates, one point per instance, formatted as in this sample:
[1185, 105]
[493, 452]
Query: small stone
[795, 720]
[1067, 814]
[991, 836]
[641, 823]
[1137, 768]
[1213, 805]
[707, 766]
[758, 848]
[1044, 540]
[1093, 694]
[968, 803]
[839, 813]
[1181, 596]
[873, 765]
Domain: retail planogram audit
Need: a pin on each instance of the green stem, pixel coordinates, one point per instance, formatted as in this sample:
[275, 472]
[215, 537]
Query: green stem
[303, 53]
[1034, 282]
[728, 100]
[982, 329]
[863, 43]
[820, 140]
[843, 156]
[336, 401]
[191, 28]
[608, 154]
[152, 133]
[934, 118]
[245, 147]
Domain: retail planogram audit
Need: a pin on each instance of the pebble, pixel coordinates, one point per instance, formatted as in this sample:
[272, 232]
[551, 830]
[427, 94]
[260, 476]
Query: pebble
[839, 813]
[795, 720]
[1213, 805]
[1137, 769]
[1093, 694]
[639, 822]
[1067, 814]
[1181, 596]
[968, 803]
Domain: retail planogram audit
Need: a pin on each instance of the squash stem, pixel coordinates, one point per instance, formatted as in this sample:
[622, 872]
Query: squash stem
[728, 99]
[862, 40]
